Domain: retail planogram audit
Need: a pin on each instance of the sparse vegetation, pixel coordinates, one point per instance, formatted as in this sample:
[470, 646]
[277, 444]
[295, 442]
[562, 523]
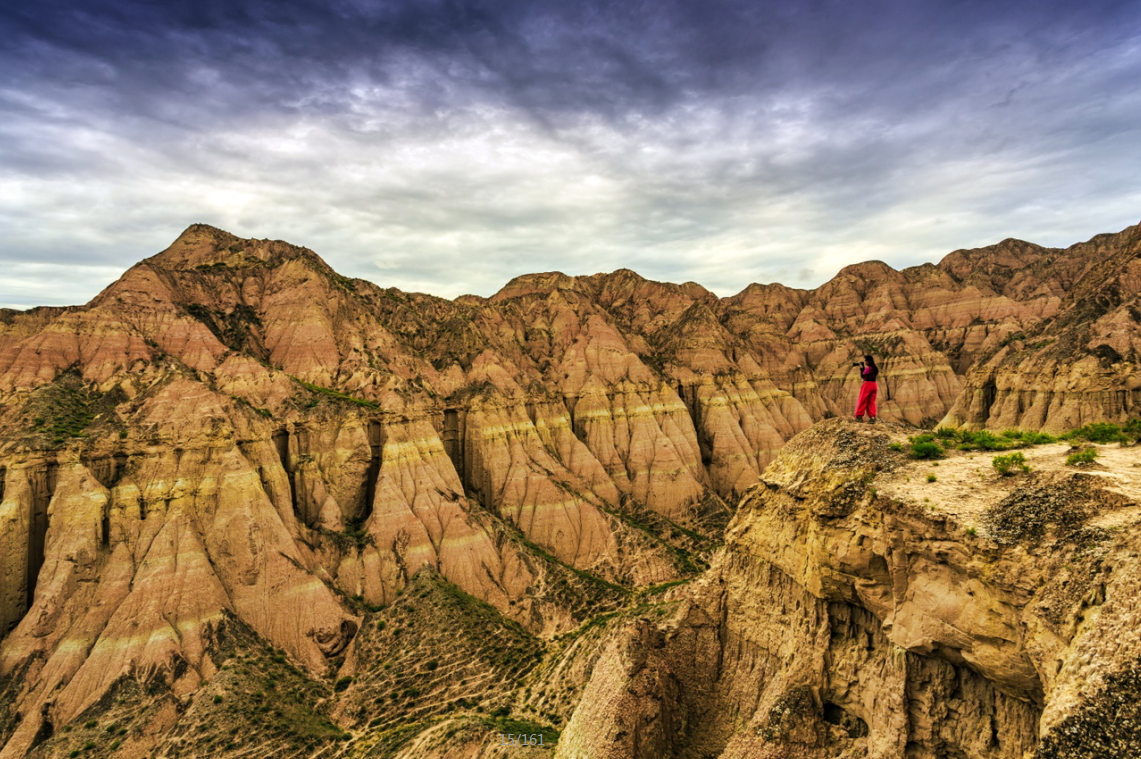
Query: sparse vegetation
[1083, 457]
[1010, 464]
[1106, 432]
[984, 440]
[67, 408]
[925, 447]
[330, 393]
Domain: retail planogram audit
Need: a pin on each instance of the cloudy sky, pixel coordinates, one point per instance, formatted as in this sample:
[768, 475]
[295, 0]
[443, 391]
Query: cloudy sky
[449, 145]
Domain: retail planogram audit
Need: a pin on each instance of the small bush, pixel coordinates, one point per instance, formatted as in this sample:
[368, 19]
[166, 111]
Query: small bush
[925, 447]
[896, 446]
[217, 698]
[1011, 463]
[972, 531]
[342, 684]
[432, 665]
[931, 478]
[1081, 458]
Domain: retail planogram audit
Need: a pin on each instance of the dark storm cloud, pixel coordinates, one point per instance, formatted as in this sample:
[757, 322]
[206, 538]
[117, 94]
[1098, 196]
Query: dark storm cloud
[451, 145]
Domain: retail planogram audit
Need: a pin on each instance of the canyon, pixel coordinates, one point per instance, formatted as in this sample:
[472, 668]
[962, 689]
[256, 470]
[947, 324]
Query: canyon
[247, 503]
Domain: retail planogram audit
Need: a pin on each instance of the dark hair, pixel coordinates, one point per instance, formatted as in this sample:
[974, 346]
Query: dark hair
[870, 362]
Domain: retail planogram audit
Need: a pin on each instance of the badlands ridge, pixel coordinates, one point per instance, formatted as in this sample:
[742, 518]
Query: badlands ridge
[252, 508]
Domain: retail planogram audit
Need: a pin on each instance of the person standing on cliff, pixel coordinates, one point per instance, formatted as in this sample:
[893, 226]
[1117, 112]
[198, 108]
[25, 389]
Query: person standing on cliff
[866, 403]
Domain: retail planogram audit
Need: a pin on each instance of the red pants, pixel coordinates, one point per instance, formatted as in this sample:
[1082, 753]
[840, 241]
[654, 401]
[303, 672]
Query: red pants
[867, 400]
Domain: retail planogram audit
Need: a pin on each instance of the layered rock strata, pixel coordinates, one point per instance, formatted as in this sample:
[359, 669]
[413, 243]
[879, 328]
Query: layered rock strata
[1082, 366]
[235, 443]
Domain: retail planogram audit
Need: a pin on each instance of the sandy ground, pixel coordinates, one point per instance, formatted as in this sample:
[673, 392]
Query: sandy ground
[967, 484]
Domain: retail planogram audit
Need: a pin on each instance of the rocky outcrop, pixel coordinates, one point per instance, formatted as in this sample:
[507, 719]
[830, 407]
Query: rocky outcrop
[847, 617]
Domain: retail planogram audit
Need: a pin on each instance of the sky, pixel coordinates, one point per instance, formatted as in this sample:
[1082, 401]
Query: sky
[446, 146]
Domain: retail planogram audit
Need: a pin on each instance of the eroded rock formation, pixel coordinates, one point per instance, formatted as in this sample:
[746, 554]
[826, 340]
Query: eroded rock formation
[235, 447]
[846, 617]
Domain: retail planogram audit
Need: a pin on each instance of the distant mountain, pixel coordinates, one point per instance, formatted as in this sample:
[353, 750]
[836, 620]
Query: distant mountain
[235, 449]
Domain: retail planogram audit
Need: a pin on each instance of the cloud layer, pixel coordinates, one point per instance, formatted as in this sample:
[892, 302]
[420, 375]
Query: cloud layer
[449, 145]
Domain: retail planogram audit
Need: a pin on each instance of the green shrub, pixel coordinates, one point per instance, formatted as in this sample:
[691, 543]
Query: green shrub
[218, 698]
[1010, 464]
[896, 446]
[1038, 438]
[1099, 432]
[947, 433]
[931, 478]
[1081, 458]
[926, 449]
[342, 684]
[984, 441]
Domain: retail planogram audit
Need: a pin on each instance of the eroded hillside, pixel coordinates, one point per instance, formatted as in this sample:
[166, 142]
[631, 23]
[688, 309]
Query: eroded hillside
[234, 466]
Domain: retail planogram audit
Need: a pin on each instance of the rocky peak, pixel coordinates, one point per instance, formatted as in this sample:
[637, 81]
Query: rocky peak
[531, 284]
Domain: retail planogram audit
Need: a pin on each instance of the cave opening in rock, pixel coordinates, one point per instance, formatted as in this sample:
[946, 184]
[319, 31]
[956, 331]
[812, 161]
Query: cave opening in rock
[834, 714]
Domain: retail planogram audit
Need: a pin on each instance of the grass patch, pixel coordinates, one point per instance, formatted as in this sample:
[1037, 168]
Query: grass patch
[334, 394]
[67, 408]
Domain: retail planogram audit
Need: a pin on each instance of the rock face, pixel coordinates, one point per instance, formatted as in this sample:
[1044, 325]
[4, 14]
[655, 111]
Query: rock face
[1082, 366]
[233, 448]
[848, 618]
